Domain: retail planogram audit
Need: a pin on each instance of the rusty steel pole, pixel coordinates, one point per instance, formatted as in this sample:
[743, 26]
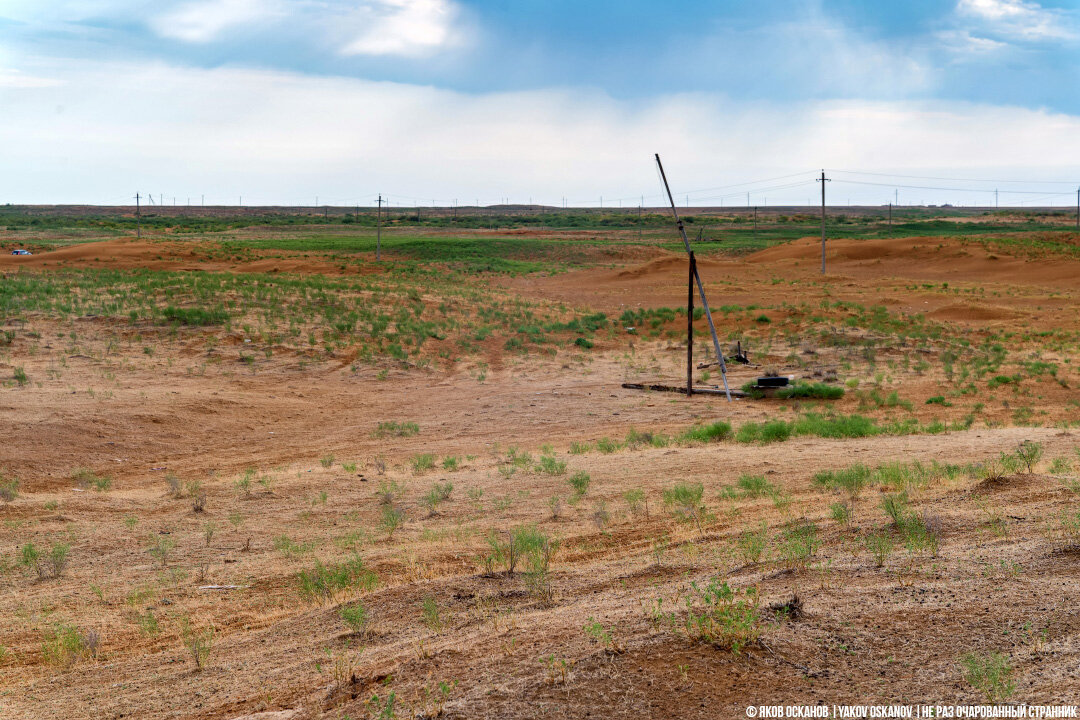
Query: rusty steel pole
[690, 327]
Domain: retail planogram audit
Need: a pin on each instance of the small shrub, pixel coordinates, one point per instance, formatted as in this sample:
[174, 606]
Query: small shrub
[635, 500]
[895, 506]
[880, 546]
[396, 429]
[392, 518]
[243, 485]
[439, 493]
[431, 614]
[389, 491]
[991, 674]
[751, 544]
[148, 623]
[851, 480]
[838, 426]
[58, 558]
[775, 431]
[450, 464]
[602, 635]
[423, 462]
[555, 504]
[86, 478]
[816, 390]
[327, 460]
[175, 486]
[580, 481]
[197, 494]
[723, 616]
[549, 465]
[685, 499]
[356, 617]
[524, 543]
[46, 565]
[714, 432]
[600, 516]
[840, 512]
[198, 643]
[754, 485]
[1058, 466]
[323, 583]
[1029, 453]
[64, 644]
[160, 546]
[798, 544]
[607, 445]
[9, 488]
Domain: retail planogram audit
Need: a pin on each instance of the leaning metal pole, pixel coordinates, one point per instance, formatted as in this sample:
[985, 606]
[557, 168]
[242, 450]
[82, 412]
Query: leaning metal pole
[697, 277]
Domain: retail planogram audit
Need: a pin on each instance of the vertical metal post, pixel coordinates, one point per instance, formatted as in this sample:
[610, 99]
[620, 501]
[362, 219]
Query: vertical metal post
[378, 231]
[690, 327]
[823, 181]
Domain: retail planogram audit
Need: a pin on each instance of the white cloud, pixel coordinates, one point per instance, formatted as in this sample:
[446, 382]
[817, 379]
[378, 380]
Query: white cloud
[17, 79]
[201, 21]
[1018, 19]
[283, 138]
[964, 43]
[408, 28]
[405, 28]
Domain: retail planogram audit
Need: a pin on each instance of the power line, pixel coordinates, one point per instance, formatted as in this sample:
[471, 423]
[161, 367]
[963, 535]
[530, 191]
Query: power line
[951, 189]
[956, 179]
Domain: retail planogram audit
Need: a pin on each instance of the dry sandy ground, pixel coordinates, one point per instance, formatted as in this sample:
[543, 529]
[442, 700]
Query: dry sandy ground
[1005, 578]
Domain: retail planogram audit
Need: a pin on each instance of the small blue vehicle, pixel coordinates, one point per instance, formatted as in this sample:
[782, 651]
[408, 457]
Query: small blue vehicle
[21, 252]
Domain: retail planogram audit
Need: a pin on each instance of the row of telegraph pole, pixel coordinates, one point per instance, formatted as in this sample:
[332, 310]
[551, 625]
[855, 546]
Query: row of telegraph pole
[378, 218]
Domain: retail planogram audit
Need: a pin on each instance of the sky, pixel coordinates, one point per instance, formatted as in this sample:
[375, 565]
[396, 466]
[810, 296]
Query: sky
[314, 102]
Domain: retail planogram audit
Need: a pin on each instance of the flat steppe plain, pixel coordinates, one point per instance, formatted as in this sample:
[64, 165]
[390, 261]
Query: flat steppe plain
[303, 436]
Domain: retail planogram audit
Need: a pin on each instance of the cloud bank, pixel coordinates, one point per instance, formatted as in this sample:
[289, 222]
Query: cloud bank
[100, 132]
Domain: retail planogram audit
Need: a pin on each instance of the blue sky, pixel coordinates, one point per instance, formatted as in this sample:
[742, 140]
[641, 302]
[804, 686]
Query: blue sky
[436, 100]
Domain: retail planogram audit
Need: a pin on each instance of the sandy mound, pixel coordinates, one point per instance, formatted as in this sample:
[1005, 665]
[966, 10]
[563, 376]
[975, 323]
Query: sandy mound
[970, 313]
[669, 265]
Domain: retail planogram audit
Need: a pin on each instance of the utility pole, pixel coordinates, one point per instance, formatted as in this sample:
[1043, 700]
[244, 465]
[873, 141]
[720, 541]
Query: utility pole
[823, 180]
[138, 215]
[995, 199]
[378, 231]
[690, 327]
